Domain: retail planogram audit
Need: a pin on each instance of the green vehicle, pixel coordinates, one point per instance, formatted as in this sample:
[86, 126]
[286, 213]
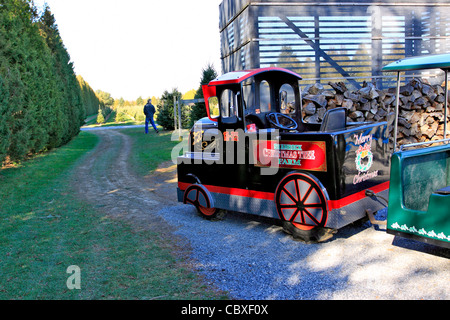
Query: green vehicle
[419, 191]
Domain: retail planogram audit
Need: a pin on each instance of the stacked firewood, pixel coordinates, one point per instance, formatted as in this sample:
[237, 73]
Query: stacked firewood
[421, 116]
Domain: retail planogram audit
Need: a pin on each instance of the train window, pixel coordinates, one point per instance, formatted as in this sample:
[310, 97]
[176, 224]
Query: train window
[287, 100]
[248, 95]
[214, 107]
[264, 96]
[229, 104]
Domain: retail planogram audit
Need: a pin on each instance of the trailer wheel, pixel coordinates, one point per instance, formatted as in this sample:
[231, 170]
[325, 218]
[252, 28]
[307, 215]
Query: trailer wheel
[199, 196]
[302, 206]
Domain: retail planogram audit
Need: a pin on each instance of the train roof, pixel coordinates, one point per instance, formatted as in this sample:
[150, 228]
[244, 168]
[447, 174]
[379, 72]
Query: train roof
[240, 76]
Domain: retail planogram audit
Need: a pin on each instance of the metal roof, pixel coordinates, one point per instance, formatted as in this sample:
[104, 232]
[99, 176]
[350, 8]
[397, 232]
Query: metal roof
[239, 76]
[435, 61]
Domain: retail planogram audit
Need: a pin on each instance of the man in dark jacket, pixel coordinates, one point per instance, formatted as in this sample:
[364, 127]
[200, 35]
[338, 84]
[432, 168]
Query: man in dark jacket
[149, 111]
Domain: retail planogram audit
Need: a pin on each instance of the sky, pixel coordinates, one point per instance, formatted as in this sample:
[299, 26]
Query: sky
[139, 48]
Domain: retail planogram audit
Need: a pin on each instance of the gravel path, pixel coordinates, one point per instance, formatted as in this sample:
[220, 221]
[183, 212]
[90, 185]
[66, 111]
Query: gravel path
[252, 258]
[256, 260]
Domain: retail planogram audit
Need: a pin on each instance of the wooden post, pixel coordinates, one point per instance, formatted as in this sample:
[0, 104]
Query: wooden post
[179, 119]
[175, 113]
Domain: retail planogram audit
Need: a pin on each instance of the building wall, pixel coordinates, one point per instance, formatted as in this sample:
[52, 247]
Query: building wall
[330, 40]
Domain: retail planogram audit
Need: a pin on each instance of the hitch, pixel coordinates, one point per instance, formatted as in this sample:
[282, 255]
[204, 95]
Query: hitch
[374, 221]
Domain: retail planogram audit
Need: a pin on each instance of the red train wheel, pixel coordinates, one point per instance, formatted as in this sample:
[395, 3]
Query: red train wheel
[198, 196]
[302, 206]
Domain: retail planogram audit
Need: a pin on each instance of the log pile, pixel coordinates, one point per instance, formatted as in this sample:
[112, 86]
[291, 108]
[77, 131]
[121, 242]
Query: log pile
[421, 116]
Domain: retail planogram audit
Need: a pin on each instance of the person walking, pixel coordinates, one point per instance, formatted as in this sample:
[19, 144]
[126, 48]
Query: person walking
[149, 111]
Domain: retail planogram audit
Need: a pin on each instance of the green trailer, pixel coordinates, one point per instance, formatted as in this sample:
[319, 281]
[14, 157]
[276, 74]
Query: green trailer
[419, 191]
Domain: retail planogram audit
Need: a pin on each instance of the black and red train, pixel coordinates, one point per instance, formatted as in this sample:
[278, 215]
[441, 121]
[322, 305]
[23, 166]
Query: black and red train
[255, 154]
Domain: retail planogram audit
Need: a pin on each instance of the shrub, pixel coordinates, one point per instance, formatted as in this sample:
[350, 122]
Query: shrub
[100, 117]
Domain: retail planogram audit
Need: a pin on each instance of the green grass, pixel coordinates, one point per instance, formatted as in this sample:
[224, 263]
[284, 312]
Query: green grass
[132, 115]
[149, 150]
[45, 229]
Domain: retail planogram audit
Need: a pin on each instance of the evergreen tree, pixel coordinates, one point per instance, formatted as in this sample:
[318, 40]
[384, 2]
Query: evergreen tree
[89, 98]
[5, 116]
[73, 109]
[198, 111]
[40, 98]
[100, 117]
[121, 116]
[25, 61]
[165, 113]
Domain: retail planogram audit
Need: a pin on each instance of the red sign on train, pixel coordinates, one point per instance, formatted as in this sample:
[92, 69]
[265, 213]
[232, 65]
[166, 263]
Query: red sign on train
[304, 155]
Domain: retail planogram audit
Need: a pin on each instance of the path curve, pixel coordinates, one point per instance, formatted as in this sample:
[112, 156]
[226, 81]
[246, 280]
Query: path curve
[105, 180]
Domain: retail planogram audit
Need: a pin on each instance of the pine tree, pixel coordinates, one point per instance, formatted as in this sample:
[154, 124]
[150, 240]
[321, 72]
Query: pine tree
[100, 117]
[73, 109]
[24, 62]
[40, 98]
[165, 113]
[89, 98]
[198, 111]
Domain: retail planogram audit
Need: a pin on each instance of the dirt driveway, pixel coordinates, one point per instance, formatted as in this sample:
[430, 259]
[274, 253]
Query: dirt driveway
[105, 180]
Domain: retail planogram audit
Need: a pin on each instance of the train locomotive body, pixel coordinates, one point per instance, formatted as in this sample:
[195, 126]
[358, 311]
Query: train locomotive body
[255, 154]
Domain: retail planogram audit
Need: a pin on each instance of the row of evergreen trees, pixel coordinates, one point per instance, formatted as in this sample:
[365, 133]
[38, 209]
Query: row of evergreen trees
[41, 101]
[89, 98]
